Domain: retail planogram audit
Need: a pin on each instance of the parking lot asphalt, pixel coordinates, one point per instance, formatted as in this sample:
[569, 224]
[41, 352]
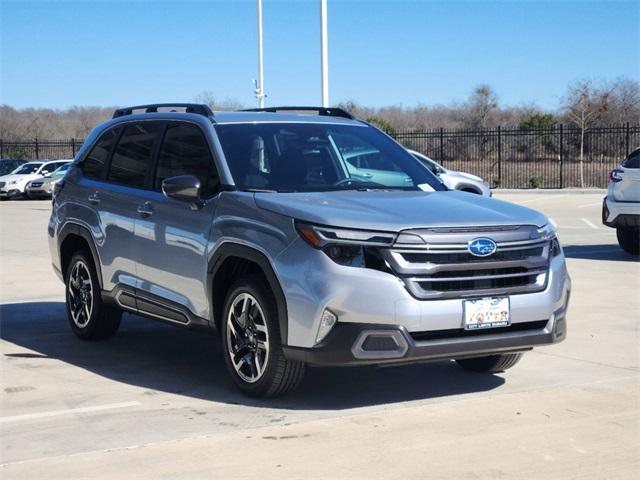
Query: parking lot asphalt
[155, 401]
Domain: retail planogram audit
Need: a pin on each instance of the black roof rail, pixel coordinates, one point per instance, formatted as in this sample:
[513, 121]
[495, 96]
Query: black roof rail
[198, 108]
[324, 111]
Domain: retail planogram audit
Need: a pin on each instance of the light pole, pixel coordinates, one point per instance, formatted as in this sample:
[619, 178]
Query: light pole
[259, 84]
[324, 55]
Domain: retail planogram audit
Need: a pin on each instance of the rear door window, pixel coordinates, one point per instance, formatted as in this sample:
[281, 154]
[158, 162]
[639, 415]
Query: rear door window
[93, 165]
[185, 151]
[132, 157]
[633, 160]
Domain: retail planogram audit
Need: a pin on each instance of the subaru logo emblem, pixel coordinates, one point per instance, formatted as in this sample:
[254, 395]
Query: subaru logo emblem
[482, 247]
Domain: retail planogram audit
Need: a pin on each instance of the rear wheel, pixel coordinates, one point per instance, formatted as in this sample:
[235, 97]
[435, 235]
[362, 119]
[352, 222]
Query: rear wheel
[251, 341]
[90, 319]
[629, 239]
[491, 363]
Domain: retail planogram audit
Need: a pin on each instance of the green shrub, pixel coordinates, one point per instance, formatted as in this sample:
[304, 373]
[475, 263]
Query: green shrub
[535, 182]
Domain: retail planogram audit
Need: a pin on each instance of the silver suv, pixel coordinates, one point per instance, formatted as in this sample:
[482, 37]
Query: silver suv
[269, 228]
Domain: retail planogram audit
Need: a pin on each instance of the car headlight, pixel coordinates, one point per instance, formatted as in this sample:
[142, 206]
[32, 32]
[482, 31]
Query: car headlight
[548, 232]
[13, 182]
[344, 246]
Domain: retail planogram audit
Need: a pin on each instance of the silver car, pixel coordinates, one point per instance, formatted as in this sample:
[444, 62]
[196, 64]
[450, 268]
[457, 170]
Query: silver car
[43, 187]
[621, 206]
[464, 182]
[254, 224]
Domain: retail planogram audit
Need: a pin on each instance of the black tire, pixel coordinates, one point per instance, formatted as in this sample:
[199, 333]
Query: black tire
[629, 239]
[279, 375]
[491, 363]
[103, 321]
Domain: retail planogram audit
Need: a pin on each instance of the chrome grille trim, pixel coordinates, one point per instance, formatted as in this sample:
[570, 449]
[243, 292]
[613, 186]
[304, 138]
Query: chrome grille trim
[444, 268]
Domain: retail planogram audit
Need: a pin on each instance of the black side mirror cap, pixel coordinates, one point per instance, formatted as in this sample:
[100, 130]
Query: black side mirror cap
[185, 188]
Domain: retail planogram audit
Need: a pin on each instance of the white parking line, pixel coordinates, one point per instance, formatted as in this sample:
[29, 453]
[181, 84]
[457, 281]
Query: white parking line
[67, 411]
[540, 199]
[599, 204]
[589, 223]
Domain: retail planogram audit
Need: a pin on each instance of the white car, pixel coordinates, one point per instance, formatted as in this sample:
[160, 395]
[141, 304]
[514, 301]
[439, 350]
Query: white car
[14, 184]
[454, 180]
[621, 206]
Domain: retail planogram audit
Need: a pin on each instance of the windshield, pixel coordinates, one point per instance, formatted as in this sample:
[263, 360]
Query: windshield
[61, 170]
[309, 157]
[27, 169]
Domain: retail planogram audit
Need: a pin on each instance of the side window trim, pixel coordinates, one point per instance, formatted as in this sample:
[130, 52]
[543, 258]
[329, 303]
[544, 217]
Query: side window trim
[150, 179]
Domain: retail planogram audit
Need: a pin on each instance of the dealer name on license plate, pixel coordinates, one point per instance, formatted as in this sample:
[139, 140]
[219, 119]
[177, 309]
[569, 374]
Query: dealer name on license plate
[490, 312]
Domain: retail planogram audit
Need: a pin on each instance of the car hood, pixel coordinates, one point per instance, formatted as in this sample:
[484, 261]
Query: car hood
[45, 180]
[463, 176]
[398, 210]
[19, 178]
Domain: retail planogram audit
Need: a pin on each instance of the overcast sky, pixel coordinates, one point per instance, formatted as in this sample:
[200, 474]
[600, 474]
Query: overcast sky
[63, 53]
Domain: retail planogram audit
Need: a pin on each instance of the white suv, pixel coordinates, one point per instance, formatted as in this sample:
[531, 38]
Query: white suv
[621, 206]
[462, 181]
[14, 184]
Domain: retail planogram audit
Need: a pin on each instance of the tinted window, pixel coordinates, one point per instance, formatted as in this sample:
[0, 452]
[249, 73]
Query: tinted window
[184, 151]
[27, 169]
[94, 163]
[132, 157]
[633, 160]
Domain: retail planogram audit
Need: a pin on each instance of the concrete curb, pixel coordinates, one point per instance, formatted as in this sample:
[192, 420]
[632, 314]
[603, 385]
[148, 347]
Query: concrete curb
[551, 191]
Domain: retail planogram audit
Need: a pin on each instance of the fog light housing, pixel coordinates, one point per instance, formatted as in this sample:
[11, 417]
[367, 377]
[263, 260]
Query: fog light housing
[327, 322]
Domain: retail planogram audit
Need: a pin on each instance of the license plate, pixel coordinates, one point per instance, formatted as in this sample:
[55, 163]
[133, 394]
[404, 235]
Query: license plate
[492, 312]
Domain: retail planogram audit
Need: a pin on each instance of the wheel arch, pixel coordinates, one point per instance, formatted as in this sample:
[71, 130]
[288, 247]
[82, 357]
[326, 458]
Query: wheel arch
[74, 237]
[232, 260]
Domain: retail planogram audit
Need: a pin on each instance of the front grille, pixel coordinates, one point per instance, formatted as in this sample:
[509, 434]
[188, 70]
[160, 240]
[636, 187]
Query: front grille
[444, 268]
[462, 333]
[36, 184]
[444, 258]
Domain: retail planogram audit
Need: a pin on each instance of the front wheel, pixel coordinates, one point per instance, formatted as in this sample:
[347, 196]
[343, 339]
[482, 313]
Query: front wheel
[251, 341]
[89, 318]
[491, 363]
[629, 239]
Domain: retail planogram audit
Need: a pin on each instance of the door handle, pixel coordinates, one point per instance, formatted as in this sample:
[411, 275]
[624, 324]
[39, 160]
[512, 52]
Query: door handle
[145, 209]
[94, 199]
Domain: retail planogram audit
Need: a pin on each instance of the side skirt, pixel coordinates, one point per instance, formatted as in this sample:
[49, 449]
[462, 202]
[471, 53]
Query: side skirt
[154, 307]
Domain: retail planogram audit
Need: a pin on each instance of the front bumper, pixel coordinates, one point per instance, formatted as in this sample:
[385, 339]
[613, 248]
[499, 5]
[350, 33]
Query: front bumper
[37, 192]
[620, 214]
[360, 296]
[361, 344]
[9, 192]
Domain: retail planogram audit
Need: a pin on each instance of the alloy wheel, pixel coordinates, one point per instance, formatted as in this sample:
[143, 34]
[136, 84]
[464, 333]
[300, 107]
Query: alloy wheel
[247, 338]
[80, 294]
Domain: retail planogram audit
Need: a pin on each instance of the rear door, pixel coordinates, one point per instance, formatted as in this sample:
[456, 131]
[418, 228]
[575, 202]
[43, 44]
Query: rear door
[173, 235]
[628, 189]
[118, 198]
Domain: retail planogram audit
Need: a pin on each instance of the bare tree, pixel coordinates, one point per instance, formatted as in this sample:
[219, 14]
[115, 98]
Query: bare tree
[480, 107]
[583, 105]
[208, 98]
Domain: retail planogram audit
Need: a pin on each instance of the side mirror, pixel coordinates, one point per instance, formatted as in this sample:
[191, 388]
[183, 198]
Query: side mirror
[47, 175]
[185, 188]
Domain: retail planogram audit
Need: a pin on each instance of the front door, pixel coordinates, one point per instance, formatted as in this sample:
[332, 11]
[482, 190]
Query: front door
[173, 235]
